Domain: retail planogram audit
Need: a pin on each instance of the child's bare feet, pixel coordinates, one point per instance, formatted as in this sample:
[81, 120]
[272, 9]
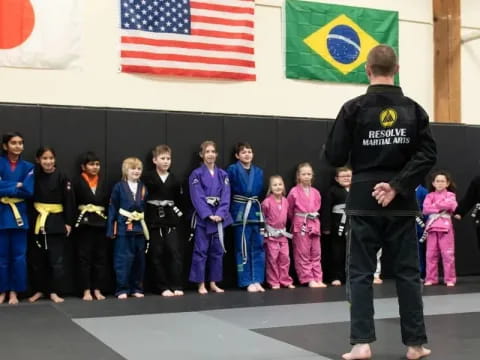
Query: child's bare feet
[259, 287]
[275, 287]
[336, 283]
[2, 298]
[87, 295]
[377, 280]
[202, 290]
[291, 286]
[215, 288]
[35, 297]
[98, 294]
[167, 293]
[56, 299]
[359, 351]
[12, 298]
[122, 296]
[178, 293]
[450, 284]
[427, 283]
[138, 295]
[417, 352]
[252, 288]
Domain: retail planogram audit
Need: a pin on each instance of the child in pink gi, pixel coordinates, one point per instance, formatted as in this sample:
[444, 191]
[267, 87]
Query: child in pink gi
[275, 210]
[439, 205]
[304, 202]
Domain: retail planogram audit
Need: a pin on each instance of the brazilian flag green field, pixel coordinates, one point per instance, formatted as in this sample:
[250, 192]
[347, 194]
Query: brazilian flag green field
[331, 42]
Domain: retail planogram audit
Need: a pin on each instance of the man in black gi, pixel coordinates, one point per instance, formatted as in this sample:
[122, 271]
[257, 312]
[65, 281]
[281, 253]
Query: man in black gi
[386, 137]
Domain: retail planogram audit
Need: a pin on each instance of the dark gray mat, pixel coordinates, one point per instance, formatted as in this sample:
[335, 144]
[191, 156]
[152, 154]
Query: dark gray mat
[42, 332]
[453, 336]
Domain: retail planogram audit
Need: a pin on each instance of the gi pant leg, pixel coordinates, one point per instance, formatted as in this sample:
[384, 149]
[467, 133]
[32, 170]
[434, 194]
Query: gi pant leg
[123, 256]
[165, 259]
[315, 257]
[13, 265]
[91, 257]
[207, 259]
[338, 249]
[283, 263]
[56, 255]
[397, 235]
[272, 251]
[254, 269]
[446, 243]
[138, 266]
[433, 253]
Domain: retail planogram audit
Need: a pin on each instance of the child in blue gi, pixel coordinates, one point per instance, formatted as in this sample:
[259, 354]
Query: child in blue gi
[16, 185]
[127, 225]
[210, 195]
[246, 182]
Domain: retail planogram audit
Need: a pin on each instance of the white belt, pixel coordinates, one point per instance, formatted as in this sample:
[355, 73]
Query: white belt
[276, 233]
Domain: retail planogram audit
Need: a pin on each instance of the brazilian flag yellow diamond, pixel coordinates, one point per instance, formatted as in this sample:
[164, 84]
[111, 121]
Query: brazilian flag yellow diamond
[341, 43]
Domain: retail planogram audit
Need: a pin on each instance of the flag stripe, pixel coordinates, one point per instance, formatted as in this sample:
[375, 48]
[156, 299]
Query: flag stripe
[216, 7]
[186, 51]
[187, 72]
[214, 40]
[223, 34]
[187, 44]
[187, 58]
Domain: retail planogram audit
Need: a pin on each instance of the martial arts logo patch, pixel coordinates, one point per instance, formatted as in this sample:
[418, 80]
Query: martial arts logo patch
[388, 117]
[195, 181]
[227, 181]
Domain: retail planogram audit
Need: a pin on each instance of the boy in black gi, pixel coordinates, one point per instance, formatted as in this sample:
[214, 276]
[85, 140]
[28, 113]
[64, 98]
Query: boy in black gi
[92, 199]
[391, 149]
[163, 216]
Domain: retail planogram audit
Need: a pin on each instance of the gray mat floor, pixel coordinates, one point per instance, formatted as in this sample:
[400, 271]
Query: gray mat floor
[287, 324]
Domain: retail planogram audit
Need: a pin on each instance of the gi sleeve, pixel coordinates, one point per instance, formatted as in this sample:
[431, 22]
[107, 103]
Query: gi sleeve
[68, 202]
[326, 212]
[113, 208]
[339, 142]
[291, 204]
[223, 209]
[422, 160]
[449, 203]
[198, 197]
[470, 198]
[429, 205]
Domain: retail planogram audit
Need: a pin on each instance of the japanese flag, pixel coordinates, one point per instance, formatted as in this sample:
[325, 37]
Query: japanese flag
[40, 33]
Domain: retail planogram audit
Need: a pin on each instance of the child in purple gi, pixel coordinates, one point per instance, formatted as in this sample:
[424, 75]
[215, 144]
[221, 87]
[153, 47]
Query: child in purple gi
[210, 195]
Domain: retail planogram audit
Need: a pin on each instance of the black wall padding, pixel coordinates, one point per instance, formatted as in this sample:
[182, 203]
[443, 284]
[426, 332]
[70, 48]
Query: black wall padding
[280, 144]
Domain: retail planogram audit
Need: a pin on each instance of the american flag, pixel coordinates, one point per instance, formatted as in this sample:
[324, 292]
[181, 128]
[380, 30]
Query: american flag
[195, 38]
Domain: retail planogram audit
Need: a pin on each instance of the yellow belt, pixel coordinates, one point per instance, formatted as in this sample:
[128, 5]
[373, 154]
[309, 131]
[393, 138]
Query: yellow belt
[90, 208]
[43, 211]
[12, 201]
[136, 216]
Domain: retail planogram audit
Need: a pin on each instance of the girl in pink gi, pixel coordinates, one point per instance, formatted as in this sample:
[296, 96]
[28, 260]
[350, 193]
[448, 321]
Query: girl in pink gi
[304, 203]
[439, 205]
[275, 209]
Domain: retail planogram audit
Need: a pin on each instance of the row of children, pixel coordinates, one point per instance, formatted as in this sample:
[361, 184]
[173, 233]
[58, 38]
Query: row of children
[144, 212]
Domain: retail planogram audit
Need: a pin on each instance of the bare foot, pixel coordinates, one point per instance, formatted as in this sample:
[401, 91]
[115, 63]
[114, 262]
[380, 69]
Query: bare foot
[2, 298]
[321, 284]
[417, 352]
[312, 284]
[252, 288]
[259, 287]
[35, 297]
[291, 286]
[377, 280]
[87, 295]
[138, 295]
[56, 299]
[167, 293]
[202, 290]
[12, 298]
[178, 293]
[98, 294]
[122, 296]
[450, 284]
[336, 283]
[359, 351]
[215, 288]
[428, 283]
[275, 287]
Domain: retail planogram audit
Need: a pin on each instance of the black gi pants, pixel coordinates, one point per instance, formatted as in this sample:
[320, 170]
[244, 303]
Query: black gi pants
[165, 259]
[338, 246]
[47, 271]
[397, 235]
[91, 256]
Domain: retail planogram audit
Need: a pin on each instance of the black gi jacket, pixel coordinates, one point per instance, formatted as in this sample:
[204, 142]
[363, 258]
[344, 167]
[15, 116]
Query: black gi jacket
[55, 188]
[471, 198]
[84, 196]
[158, 190]
[336, 195]
[387, 137]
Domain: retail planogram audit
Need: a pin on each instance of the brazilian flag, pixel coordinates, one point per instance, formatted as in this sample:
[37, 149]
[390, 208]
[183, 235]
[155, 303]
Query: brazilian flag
[331, 42]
